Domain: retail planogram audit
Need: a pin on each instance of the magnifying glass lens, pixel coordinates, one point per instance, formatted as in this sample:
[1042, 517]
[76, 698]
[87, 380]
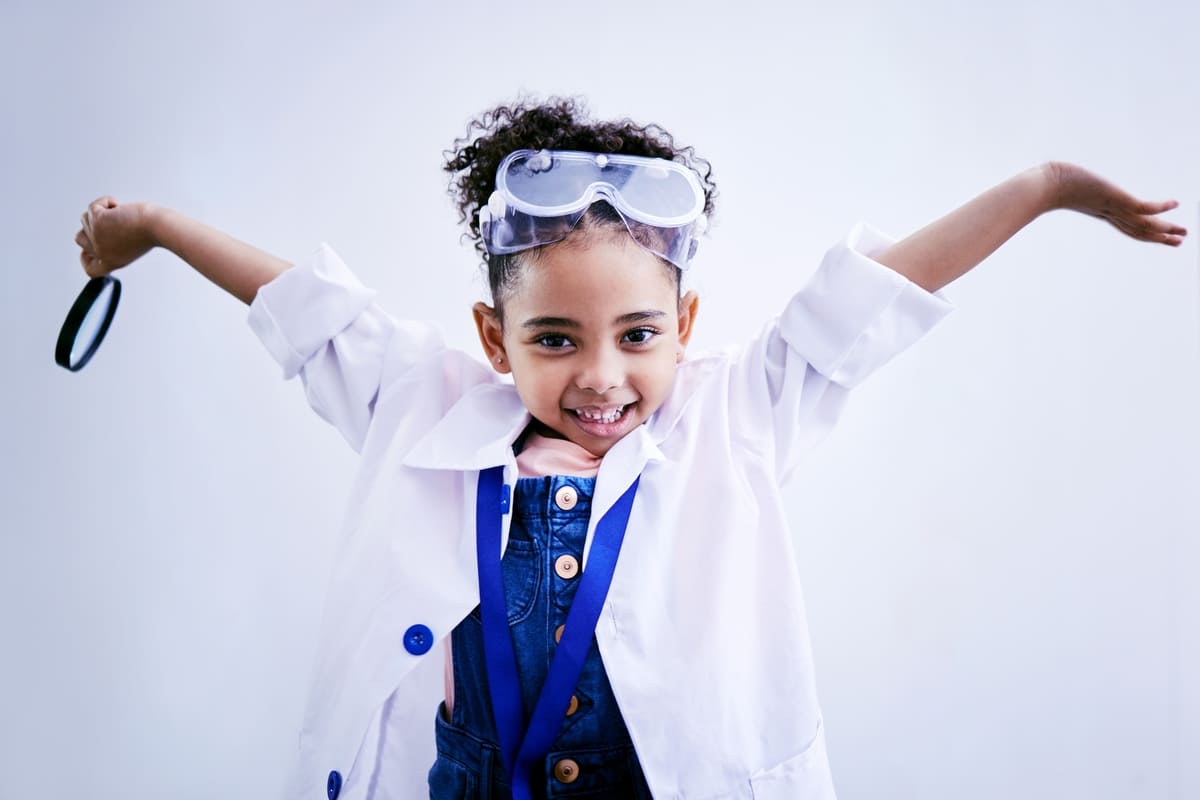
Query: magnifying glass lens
[87, 322]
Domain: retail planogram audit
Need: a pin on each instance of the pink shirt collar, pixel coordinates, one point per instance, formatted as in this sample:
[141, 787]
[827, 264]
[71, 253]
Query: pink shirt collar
[542, 456]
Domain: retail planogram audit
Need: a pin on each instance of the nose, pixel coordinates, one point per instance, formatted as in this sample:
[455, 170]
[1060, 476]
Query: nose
[601, 370]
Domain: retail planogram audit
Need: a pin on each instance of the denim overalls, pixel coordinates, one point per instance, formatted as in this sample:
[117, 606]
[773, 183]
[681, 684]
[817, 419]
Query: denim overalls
[593, 756]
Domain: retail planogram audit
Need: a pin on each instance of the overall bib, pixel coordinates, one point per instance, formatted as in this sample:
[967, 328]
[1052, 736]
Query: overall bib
[592, 756]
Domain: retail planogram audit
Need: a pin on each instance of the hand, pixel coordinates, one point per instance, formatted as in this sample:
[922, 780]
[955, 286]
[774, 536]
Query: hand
[1079, 190]
[113, 235]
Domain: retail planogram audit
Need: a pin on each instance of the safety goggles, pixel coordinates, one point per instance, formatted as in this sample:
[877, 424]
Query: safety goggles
[541, 194]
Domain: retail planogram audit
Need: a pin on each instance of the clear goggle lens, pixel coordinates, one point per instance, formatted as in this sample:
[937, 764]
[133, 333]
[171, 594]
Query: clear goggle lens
[541, 194]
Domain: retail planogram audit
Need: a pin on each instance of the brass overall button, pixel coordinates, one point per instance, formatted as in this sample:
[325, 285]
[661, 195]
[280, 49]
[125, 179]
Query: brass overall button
[571, 709]
[566, 498]
[566, 771]
[566, 567]
[558, 632]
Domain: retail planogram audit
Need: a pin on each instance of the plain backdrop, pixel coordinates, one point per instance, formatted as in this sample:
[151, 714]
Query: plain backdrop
[999, 543]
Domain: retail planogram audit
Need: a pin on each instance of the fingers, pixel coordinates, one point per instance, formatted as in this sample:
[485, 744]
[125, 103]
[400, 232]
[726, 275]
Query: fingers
[91, 264]
[87, 253]
[1172, 239]
[1161, 237]
[1145, 207]
[1161, 230]
[94, 208]
[101, 203]
[1139, 220]
[1174, 233]
[1150, 229]
[85, 238]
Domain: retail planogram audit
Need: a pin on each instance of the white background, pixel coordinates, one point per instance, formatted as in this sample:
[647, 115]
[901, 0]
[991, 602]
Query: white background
[999, 543]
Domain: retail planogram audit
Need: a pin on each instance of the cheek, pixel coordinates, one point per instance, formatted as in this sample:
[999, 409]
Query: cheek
[538, 385]
[658, 375]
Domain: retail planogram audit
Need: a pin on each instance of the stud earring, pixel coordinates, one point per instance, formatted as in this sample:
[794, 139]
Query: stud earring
[499, 359]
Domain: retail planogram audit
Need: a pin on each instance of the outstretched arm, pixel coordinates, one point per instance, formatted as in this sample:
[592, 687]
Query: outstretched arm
[116, 234]
[951, 246]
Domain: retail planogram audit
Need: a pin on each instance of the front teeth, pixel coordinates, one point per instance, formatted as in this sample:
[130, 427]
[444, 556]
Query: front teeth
[606, 418]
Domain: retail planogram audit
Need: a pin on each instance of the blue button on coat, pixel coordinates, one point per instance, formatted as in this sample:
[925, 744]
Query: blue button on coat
[418, 639]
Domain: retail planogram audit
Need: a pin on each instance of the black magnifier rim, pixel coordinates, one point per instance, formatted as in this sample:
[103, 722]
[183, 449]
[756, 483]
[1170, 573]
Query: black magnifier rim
[76, 316]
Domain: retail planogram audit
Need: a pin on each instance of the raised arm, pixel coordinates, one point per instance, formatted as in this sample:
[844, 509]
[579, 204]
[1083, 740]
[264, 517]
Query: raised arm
[951, 246]
[116, 234]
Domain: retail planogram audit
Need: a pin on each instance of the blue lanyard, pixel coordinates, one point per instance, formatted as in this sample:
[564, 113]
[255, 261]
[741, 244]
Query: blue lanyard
[521, 747]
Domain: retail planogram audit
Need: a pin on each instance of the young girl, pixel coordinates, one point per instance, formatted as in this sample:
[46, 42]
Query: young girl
[589, 566]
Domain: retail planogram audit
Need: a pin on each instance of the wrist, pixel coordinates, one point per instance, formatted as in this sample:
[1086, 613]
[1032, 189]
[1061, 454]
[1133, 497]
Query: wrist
[151, 219]
[1055, 177]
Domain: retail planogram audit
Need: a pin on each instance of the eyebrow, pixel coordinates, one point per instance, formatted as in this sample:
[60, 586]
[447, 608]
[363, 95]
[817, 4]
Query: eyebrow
[565, 322]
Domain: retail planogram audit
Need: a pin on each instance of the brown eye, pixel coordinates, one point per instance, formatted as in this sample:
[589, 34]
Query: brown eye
[640, 335]
[553, 341]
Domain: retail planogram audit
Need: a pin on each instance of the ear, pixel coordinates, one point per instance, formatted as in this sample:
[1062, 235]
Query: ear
[689, 304]
[491, 336]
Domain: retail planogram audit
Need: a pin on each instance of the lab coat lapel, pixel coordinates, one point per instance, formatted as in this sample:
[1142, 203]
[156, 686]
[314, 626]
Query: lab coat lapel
[620, 466]
[629, 457]
[476, 433]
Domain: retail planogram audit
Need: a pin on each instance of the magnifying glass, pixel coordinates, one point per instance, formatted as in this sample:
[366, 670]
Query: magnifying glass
[87, 322]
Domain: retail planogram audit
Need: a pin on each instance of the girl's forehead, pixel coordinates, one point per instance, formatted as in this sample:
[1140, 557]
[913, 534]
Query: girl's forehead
[600, 273]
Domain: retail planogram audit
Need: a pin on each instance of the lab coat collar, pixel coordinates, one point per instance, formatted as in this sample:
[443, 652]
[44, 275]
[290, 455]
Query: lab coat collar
[479, 430]
[476, 433]
[688, 377]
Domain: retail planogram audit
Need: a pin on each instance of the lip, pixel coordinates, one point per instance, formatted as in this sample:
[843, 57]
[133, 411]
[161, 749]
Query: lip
[604, 430]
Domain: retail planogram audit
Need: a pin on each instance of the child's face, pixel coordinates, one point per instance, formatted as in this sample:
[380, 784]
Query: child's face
[592, 335]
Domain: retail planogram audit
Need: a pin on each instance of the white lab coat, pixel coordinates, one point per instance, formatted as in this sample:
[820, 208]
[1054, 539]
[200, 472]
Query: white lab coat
[703, 633]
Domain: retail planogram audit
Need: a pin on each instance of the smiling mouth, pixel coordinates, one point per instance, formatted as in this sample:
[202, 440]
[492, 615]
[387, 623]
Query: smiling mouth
[601, 416]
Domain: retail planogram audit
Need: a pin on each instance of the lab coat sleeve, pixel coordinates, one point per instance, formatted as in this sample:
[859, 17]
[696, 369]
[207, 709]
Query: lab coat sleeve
[852, 317]
[318, 321]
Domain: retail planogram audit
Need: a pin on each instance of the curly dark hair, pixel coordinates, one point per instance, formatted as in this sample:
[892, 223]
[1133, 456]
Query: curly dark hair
[558, 123]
